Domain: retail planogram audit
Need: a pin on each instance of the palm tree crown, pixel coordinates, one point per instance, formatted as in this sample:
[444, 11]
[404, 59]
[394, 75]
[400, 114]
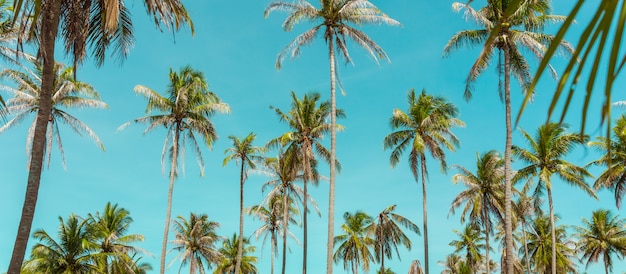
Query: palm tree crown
[355, 244]
[195, 242]
[602, 236]
[614, 158]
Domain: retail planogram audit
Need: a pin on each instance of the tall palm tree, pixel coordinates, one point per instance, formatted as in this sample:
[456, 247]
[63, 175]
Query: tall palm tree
[540, 247]
[355, 244]
[270, 213]
[613, 151]
[506, 27]
[336, 19]
[545, 158]
[426, 126]
[103, 24]
[308, 124]
[484, 194]
[109, 232]
[231, 253]
[195, 242]
[184, 111]
[388, 234]
[68, 93]
[245, 153]
[470, 242]
[70, 253]
[284, 172]
[602, 236]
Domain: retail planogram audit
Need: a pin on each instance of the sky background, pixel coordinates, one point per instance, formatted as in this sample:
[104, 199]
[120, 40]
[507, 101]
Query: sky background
[236, 48]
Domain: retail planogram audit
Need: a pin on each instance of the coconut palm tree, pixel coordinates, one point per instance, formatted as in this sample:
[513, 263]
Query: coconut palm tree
[284, 172]
[613, 157]
[245, 153]
[545, 158]
[506, 27]
[70, 253]
[524, 209]
[602, 236]
[470, 243]
[68, 94]
[426, 126]
[230, 251]
[354, 246]
[195, 242]
[109, 232]
[270, 214]
[336, 20]
[388, 234]
[184, 111]
[540, 247]
[307, 120]
[483, 196]
[455, 264]
[103, 24]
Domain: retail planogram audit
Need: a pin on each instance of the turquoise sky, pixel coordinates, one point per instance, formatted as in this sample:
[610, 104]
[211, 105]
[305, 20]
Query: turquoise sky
[236, 48]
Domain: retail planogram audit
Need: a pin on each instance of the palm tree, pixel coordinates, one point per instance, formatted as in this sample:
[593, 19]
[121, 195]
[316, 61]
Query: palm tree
[103, 24]
[68, 94]
[184, 111]
[614, 158]
[507, 26]
[416, 268]
[231, 253]
[355, 244]
[545, 158]
[524, 209]
[71, 253]
[195, 242]
[425, 127]
[604, 235]
[484, 195]
[388, 234]
[336, 18]
[308, 124]
[455, 264]
[109, 231]
[270, 214]
[470, 243]
[242, 151]
[540, 247]
[284, 172]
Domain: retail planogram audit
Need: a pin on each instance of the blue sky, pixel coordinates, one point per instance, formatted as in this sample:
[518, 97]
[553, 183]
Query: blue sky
[236, 48]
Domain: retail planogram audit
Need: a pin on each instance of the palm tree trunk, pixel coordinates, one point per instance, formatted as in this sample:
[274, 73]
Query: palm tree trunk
[170, 193]
[273, 251]
[487, 230]
[240, 244]
[525, 245]
[333, 150]
[552, 229]
[425, 213]
[50, 14]
[285, 224]
[304, 224]
[508, 224]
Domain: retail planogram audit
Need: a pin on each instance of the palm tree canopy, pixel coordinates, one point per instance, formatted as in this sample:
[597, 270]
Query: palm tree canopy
[229, 250]
[613, 157]
[602, 236]
[68, 94]
[387, 232]
[354, 246]
[243, 152]
[540, 247]
[195, 242]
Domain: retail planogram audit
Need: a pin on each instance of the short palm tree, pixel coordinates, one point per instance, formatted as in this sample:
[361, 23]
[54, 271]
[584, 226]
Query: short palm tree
[388, 234]
[68, 94]
[426, 126]
[184, 111]
[602, 236]
[230, 252]
[470, 245]
[613, 157]
[244, 153]
[70, 253]
[506, 28]
[109, 232]
[195, 242]
[545, 158]
[354, 246]
[336, 19]
[484, 194]
[540, 247]
[308, 123]
[455, 264]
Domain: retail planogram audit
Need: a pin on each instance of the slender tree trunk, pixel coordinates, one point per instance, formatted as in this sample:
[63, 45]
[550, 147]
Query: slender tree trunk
[240, 244]
[525, 246]
[552, 230]
[487, 230]
[425, 209]
[273, 251]
[508, 224]
[333, 150]
[170, 192]
[307, 176]
[382, 260]
[285, 225]
[50, 14]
